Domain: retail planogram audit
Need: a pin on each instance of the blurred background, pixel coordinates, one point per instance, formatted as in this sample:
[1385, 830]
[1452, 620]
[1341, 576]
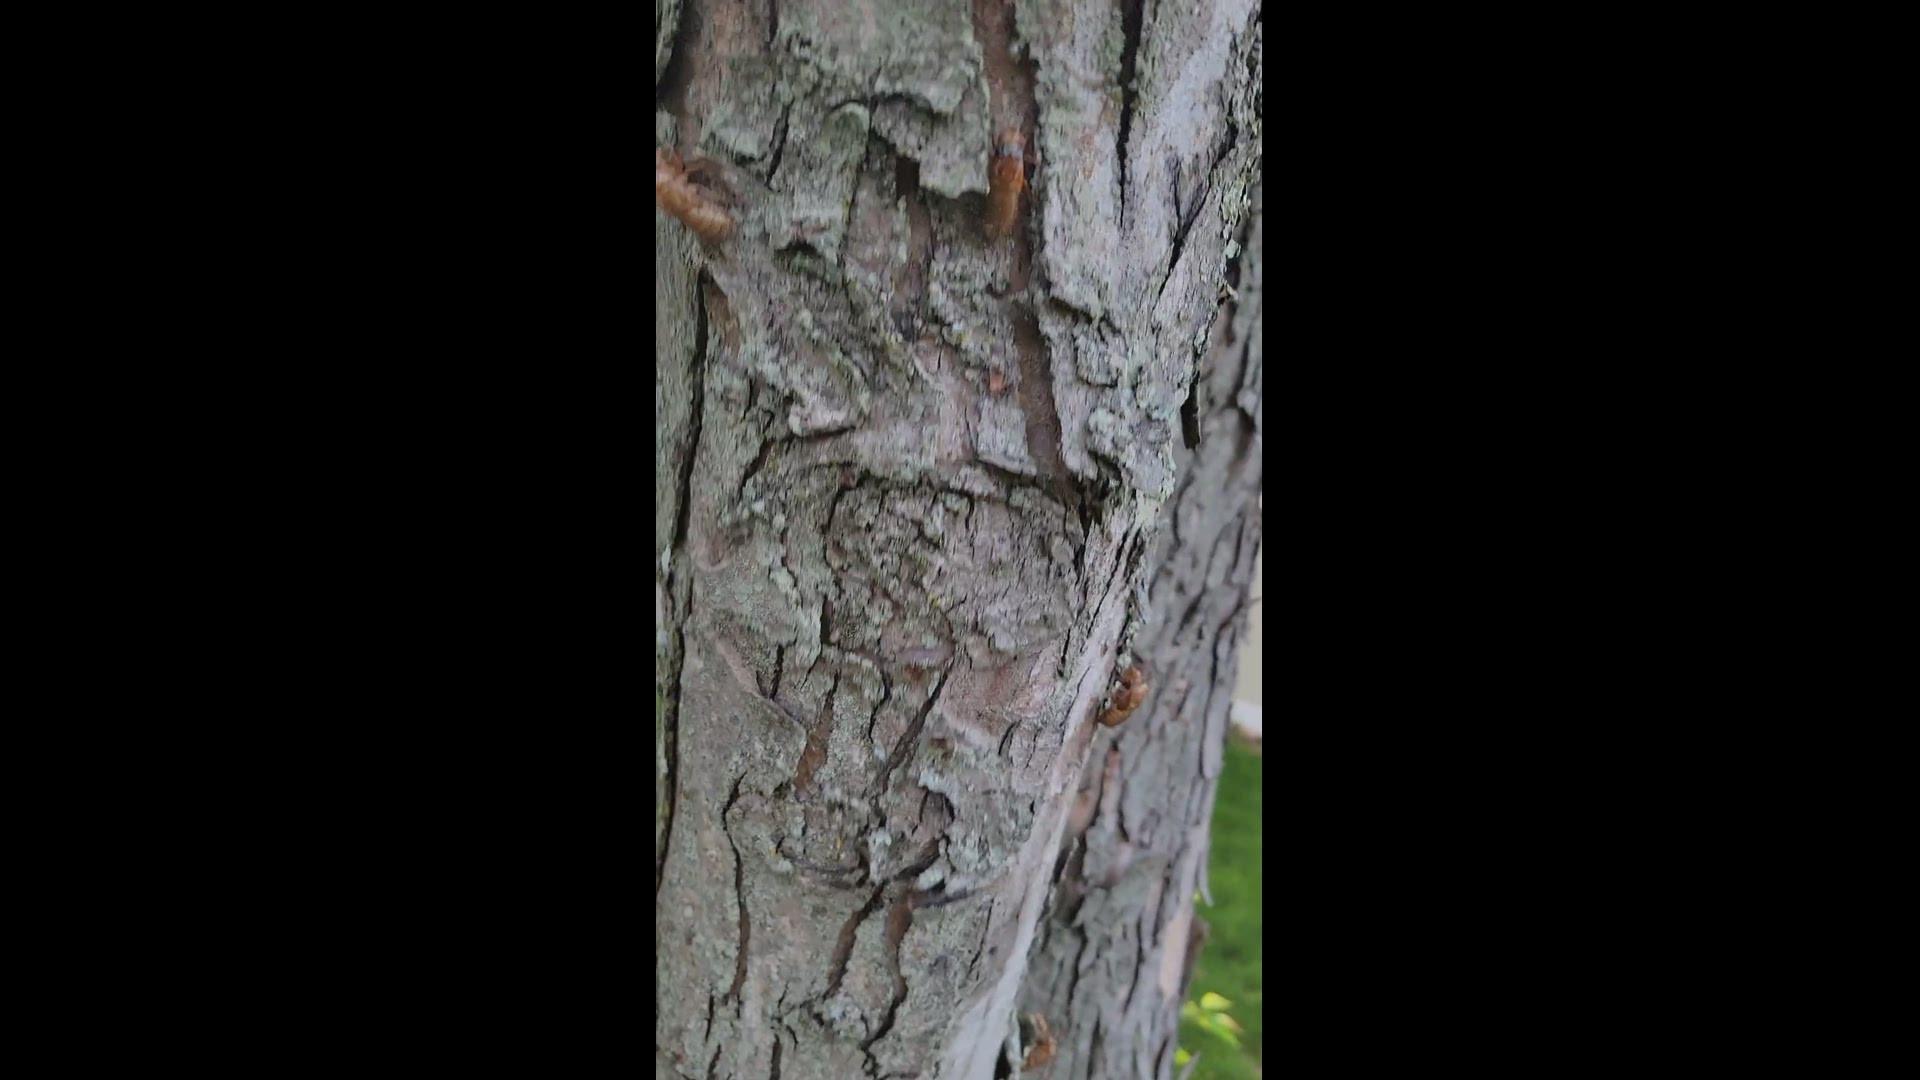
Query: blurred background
[1221, 1022]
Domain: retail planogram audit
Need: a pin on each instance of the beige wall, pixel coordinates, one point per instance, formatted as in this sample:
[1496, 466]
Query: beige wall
[1247, 688]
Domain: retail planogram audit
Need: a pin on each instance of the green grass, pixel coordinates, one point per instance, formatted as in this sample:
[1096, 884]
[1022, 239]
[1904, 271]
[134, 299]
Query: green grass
[1229, 963]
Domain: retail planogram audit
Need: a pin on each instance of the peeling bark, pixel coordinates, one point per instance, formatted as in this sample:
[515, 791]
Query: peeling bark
[913, 485]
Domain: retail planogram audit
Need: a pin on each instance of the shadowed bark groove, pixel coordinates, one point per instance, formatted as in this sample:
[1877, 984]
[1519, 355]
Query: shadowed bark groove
[674, 25]
[886, 640]
[843, 947]
[1131, 12]
[740, 896]
[678, 418]
[899, 921]
[912, 734]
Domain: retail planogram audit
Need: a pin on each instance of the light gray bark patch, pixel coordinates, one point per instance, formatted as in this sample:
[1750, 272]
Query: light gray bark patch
[1145, 351]
[989, 820]
[794, 338]
[743, 123]
[819, 182]
[723, 44]
[922, 50]
[951, 149]
[1078, 45]
[966, 274]
[1189, 201]
[1141, 447]
[1080, 362]
[1002, 437]
[1190, 75]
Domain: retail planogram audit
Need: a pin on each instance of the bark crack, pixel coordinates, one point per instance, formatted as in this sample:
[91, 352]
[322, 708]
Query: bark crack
[843, 945]
[980, 949]
[698, 376]
[1012, 106]
[1035, 392]
[1139, 965]
[1073, 972]
[899, 921]
[670, 93]
[1130, 19]
[740, 892]
[886, 695]
[1187, 212]
[779, 142]
[1192, 611]
[1096, 1052]
[1240, 400]
[1187, 215]
[910, 280]
[1190, 415]
[753, 467]
[901, 748]
[815, 752]
[671, 721]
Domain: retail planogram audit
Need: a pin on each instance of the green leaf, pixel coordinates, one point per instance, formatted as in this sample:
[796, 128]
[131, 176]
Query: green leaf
[1213, 1002]
[1220, 1031]
[1180, 1056]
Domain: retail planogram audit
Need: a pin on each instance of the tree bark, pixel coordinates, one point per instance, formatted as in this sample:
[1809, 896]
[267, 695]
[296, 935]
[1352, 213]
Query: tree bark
[913, 486]
[1111, 966]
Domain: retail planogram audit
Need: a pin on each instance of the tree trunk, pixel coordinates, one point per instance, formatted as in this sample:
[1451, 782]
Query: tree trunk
[1116, 948]
[913, 485]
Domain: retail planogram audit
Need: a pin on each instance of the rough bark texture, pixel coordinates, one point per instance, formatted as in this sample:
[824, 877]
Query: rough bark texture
[1115, 952]
[912, 486]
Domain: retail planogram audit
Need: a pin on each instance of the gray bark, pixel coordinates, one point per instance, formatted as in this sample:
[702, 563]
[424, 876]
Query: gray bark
[1115, 953]
[912, 487]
